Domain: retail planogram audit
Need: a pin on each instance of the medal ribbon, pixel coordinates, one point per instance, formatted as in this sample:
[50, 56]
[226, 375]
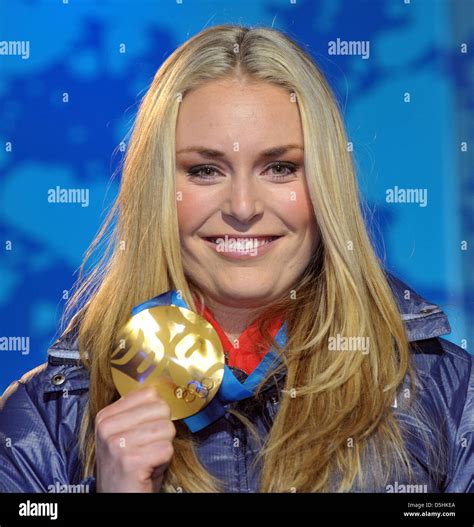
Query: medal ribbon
[231, 389]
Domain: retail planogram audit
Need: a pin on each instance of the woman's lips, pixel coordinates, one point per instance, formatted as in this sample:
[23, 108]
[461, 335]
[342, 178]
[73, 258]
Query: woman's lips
[241, 247]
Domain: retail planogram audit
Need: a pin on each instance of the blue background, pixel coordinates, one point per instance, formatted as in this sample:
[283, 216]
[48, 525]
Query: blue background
[75, 48]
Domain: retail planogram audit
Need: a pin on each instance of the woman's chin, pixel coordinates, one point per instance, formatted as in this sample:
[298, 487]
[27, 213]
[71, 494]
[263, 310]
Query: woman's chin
[245, 296]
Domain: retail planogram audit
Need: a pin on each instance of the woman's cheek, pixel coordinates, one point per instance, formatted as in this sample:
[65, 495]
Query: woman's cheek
[294, 207]
[186, 212]
[192, 207]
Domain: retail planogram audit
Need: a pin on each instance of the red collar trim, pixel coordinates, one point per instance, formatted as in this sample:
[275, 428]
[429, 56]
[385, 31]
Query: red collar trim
[249, 348]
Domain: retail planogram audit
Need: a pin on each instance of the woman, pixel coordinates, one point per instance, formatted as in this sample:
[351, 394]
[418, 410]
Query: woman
[239, 138]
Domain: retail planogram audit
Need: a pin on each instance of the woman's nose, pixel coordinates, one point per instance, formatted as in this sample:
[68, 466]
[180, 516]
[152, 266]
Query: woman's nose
[243, 200]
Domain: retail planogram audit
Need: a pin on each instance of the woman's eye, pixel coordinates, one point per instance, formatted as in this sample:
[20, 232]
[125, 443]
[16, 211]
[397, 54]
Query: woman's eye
[281, 170]
[202, 172]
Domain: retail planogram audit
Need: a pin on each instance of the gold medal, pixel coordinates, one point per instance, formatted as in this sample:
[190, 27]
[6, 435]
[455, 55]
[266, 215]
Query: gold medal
[174, 349]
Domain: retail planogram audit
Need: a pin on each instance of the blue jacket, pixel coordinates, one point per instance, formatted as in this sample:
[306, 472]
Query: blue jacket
[39, 425]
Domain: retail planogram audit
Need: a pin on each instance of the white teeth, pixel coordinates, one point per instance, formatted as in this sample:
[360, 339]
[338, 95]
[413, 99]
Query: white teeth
[264, 242]
[247, 241]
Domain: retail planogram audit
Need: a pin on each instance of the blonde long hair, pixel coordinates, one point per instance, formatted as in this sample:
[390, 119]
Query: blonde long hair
[334, 405]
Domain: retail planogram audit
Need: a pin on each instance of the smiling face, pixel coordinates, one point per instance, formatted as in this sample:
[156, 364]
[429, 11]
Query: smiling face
[246, 221]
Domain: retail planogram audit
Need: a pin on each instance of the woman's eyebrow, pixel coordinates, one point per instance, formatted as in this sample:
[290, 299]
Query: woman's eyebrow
[212, 154]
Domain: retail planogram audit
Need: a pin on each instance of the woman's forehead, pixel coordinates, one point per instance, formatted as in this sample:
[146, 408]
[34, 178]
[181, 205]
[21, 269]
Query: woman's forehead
[238, 119]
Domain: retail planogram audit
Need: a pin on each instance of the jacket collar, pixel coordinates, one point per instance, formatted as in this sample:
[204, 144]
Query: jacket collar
[423, 320]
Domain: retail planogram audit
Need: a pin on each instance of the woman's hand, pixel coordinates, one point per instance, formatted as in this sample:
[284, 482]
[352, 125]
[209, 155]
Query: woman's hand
[134, 443]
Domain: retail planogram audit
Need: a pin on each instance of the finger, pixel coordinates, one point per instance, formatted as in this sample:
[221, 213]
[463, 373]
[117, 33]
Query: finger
[131, 400]
[134, 418]
[145, 435]
[157, 454]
